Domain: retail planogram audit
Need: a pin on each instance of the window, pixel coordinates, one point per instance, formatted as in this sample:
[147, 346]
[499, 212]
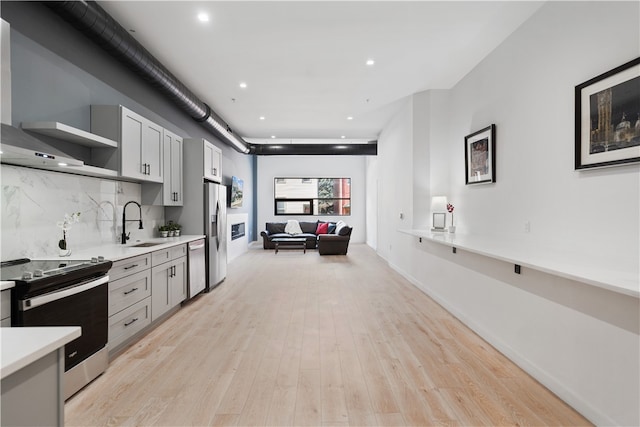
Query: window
[312, 196]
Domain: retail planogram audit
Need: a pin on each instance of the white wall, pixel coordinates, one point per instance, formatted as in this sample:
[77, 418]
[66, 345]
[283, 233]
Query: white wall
[582, 342]
[240, 245]
[270, 167]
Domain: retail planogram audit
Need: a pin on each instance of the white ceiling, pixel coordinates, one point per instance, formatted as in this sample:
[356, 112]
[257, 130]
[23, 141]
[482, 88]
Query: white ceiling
[304, 62]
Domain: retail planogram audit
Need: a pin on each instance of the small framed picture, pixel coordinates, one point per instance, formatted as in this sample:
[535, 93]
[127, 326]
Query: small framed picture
[439, 221]
[608, 118]
[480, 156]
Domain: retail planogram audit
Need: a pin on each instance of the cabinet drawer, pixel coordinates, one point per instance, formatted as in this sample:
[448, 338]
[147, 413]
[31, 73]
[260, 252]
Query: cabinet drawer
[128, 290]
[168, 254]
[5, 304]
[129, 266]
[128, 322]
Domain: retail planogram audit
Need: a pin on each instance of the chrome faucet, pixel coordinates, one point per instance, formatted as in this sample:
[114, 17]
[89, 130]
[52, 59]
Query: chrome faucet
[125, 235]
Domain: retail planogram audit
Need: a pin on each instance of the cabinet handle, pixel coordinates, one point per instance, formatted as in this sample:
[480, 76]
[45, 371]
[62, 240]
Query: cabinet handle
[149, 170]
[132, 322]
[131, 266]
[215, 171]
[132, 290]
[74, 354]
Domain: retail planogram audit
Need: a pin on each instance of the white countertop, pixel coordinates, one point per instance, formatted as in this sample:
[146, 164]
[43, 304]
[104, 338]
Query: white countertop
[6, 284]
[22, 346]
[581, 267]
[116, 252]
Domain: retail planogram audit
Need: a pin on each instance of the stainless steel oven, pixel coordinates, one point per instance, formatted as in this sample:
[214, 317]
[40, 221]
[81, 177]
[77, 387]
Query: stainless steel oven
[73, 293]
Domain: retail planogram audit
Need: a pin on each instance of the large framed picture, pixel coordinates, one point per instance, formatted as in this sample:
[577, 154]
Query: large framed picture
[480, 156]
[608, 118]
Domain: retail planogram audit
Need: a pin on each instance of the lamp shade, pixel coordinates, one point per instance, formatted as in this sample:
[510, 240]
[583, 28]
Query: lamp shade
[439, 204]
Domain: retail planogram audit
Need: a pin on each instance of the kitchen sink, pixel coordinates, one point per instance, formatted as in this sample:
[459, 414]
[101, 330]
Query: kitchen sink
[145, 244]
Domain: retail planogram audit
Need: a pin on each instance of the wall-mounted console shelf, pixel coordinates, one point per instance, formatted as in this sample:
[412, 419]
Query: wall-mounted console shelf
[70, 134]
[555, 260]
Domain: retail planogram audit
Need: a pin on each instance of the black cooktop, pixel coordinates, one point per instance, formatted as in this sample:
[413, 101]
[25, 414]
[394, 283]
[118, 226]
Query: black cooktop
[35, 277]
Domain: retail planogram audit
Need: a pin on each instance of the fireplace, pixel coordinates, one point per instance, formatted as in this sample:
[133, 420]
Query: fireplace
[237, 230]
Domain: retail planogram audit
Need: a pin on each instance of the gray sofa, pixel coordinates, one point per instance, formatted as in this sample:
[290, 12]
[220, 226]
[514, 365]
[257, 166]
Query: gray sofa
[327, 244]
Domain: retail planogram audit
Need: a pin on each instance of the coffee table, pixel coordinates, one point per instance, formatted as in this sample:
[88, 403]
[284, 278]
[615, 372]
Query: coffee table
[290, 243]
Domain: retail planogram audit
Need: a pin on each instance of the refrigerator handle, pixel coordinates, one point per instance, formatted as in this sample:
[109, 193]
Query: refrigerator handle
[213, 228]
[217, 225]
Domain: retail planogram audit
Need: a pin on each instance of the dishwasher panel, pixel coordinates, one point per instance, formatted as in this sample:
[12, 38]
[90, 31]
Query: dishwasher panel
[197, 269]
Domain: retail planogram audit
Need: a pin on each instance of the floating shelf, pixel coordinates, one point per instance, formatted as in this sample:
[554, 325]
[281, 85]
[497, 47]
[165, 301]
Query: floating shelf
[522, 253]
[70, 134]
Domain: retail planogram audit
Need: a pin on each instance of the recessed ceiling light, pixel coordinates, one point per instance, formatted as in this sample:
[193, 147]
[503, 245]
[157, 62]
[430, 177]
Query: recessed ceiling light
[261, 117]
[370, 62]
[243, 85]
[62, 164]
[273, 136]
[349, 118]
[342, 137]
[203, 17]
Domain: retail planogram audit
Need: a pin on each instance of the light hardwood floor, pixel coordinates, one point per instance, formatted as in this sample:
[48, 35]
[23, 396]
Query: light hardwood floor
[302, 339]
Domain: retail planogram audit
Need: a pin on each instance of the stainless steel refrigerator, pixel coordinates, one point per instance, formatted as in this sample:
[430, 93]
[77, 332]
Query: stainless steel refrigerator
[215, 228]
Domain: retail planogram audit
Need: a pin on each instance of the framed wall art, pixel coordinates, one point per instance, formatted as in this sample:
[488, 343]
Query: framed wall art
[480, 156]
[608, 118]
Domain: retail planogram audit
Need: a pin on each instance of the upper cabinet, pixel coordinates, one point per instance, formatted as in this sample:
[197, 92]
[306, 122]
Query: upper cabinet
[141, 141]
[172, 188]
[212, 161]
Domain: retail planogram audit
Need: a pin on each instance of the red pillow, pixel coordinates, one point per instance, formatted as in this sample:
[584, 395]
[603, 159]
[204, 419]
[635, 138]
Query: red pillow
[323, 228]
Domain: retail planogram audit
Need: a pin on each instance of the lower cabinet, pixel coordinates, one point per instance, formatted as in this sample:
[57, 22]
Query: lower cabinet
[129, 322]
[169, 286]
[129, 299]
[142, 289]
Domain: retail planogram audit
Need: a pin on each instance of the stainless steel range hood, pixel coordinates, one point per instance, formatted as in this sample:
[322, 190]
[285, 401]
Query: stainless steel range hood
[19, 148]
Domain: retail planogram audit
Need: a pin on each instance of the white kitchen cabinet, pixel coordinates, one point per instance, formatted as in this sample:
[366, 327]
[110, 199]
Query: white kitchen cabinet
[140, 140]
[127, 323]
[172, 188]
[168, 280]
[127, 291]
[129, 299]
[170, 192]
[212, 161]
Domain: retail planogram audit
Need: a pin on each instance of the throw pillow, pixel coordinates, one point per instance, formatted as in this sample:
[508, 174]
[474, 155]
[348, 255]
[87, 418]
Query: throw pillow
[323, 228]
[332, 228]
[275, 227]
[308, 227]
[339, 225]
[292, 227]
[345, 231]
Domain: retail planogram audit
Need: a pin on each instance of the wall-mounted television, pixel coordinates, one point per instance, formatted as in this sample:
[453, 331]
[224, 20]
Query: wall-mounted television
[236, 192]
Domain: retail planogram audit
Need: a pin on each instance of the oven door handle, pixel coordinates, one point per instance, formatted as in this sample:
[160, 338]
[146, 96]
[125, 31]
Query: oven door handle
[54, 296]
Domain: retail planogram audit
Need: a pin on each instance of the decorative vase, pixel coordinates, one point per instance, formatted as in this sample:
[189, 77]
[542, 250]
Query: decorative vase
[164, 233]
[176, 233]
[64, 252]
[171, 233]
[63, 249]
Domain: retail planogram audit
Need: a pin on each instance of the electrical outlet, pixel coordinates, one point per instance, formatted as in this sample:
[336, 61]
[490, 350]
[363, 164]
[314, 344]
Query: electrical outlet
[527, 226]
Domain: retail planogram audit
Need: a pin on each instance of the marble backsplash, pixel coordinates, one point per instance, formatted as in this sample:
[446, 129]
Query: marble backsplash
[34, 201]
